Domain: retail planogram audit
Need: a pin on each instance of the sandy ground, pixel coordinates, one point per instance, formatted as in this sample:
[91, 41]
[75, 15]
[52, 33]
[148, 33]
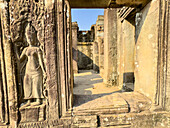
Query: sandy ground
[91, 95]
[86, 82]
[89, 86]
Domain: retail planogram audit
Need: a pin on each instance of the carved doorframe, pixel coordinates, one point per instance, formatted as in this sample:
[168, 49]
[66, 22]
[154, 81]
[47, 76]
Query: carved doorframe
[9, 67]
[65, 56]
[3, 84]
[162, 95]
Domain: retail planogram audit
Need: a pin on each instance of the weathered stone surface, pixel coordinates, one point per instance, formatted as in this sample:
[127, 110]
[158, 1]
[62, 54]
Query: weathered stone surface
[146, 57]
[166, 34]
[34, 125]
[51, 106]
[3, 86]
[98, 46]
[118, 126]
[28, 116]
[106, 3]
[106, 104]
[126, 47]
[95, 57]
[110, 46]
[74, 45]
[137, 102]
[9, 68]
[99, 39]
[82, 48]
[85, 57]
[83, 121]
[86, 36]
[141, 120]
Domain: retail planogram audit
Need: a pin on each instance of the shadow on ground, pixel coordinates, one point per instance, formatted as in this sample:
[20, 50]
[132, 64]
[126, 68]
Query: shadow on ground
[81, 99]
[89, 86]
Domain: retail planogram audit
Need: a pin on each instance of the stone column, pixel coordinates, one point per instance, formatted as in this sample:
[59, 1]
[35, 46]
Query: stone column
[95, 57]
[110, 46]
[99, 35]
[9, 70]
[101, 56]
[100, 40]
[126, 48]
[74, 46]
[70, 62]
[166, 34]
[52, 60]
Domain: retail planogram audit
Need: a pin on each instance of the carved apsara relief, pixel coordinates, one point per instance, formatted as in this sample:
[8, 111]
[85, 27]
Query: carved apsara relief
[27, 19]
[34, 69]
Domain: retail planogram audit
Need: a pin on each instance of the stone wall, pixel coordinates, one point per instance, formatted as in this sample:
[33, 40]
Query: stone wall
[150, 62]
[95, 57]
[85, 56]
[85, 36]
[99, 40]
[146, 59]
[152, 51]
[126, 49]
[35, 62]
[74, 45]
[84, 48]
[166, 35]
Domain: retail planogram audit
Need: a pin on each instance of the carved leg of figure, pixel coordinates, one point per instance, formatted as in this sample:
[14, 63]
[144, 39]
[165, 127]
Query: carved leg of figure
[37, 102]
[27, 104]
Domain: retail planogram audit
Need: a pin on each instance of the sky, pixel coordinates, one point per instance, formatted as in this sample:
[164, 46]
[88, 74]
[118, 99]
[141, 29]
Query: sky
[86, 17]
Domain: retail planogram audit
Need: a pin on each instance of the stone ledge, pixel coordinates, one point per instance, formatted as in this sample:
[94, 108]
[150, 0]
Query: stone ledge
[80, 121]
[32, 114]
[150, 120]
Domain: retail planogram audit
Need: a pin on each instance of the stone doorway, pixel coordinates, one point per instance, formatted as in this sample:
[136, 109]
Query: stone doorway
[50, 35]
[88, 56]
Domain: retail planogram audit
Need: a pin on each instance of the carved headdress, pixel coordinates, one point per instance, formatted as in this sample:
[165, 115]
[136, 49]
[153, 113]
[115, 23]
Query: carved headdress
[31, 33]
[30, 29]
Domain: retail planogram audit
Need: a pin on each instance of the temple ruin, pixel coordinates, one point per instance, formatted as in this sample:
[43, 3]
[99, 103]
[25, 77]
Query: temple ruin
[41, 50]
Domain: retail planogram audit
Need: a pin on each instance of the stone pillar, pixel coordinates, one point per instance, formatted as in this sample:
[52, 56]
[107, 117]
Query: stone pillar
[10, 113]
[152, 66]
[166, 34]
[100, 40]
[74, 46]
[101, 55]
[110, 46]
[52, 61]
[99, 35]
[95, 57]
[70, 62]
[126, 48]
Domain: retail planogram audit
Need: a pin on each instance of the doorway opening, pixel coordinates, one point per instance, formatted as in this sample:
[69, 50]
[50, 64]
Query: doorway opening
[88, 56]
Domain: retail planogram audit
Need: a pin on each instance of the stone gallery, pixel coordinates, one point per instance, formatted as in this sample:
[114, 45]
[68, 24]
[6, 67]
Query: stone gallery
[41, 49]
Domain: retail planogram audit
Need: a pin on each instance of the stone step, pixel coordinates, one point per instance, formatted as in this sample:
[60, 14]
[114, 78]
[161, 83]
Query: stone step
[101, 111]
[80, 121]
[136, 101]
[118, 126]
[135, 120]
[108, 104]
[127, 120]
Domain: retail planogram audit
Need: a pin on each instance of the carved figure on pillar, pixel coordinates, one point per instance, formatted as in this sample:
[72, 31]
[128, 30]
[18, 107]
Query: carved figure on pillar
[34, 69]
